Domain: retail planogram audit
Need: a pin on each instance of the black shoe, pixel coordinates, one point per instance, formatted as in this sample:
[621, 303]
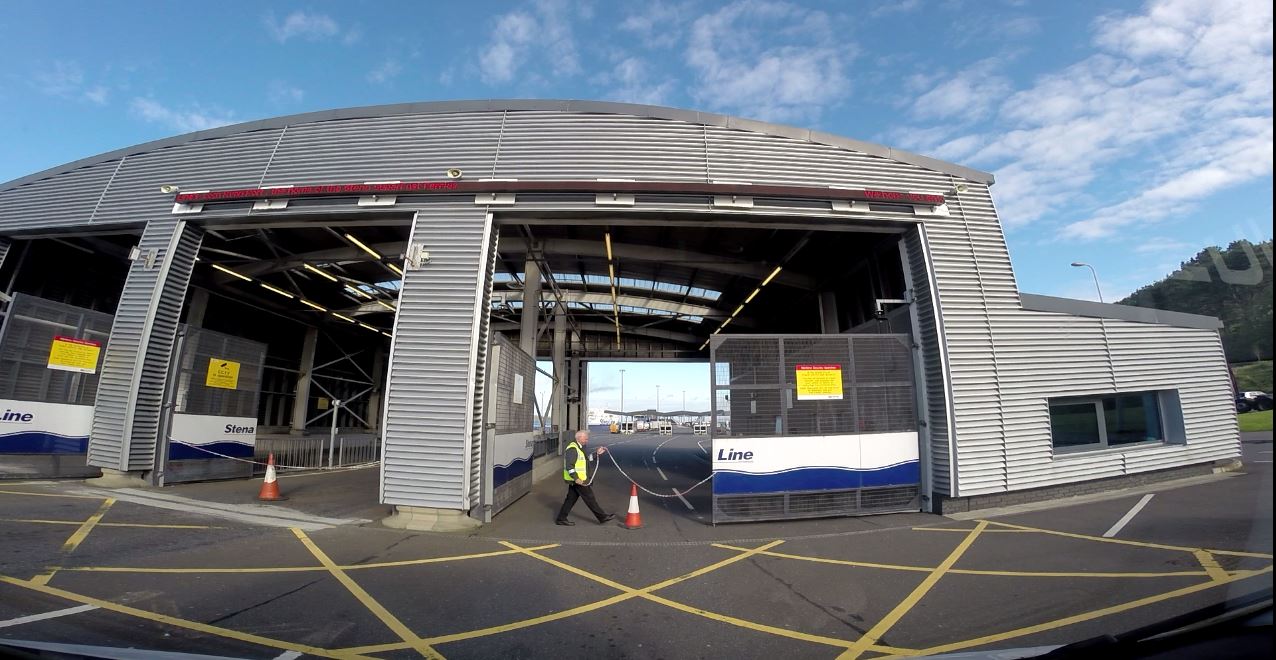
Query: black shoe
[610, 516]
[564, 522]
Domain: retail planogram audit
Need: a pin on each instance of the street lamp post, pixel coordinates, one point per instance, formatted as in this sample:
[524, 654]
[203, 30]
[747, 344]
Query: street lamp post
[684, 405]
[657, 402]
[622, 394]
[1082, 264]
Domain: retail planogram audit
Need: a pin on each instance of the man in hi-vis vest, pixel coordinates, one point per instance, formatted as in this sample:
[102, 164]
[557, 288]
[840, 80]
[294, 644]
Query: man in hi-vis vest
[576, 473]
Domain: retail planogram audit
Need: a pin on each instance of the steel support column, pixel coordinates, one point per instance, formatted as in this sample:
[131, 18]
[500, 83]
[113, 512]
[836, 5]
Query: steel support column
[559, 398]
[828, 313]
[378, 383]
[126, 415]
[305, 372]
[531, 307]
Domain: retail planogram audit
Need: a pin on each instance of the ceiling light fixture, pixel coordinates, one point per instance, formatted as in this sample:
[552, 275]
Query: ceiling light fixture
[275, 290]
[320, 272]
[231, 272]
[363, 247]
[310, 304]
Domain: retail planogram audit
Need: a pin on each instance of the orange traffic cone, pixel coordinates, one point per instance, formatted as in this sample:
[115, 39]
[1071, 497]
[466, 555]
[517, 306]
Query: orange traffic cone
[633, 519]
[270, 488]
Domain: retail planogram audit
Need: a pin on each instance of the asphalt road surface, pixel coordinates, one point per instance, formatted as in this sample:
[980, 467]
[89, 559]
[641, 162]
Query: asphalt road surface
[80, 566]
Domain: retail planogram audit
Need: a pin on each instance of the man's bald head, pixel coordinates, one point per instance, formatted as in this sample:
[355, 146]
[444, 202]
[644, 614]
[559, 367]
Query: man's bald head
[582, 437]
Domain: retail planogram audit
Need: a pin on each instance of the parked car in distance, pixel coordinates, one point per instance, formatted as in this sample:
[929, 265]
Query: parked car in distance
[1247, 401]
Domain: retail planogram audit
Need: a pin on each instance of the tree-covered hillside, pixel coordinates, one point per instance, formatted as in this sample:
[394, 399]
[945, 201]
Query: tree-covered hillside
[1233, 284]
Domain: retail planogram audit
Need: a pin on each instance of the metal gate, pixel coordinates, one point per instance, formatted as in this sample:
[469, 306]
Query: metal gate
[813, 425]
[508, 435]
[50, 362]
[210, 414]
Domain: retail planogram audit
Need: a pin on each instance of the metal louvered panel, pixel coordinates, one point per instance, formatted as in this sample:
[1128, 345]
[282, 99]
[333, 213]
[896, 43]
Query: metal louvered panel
[482, 332]
[429, 404]
[5, 245]
[400, 148]
[935, 370]
[234, 161]
[64, 200]
[556, 145]
[135, 363]
[745, 156]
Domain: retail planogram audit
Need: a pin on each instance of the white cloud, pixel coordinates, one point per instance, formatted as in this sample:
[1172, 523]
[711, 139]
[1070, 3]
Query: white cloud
[282, 93]
[96, 94]
[384, 72]
[518, 37]
[899, 7]
[1161, 244]
[769, 60]
[968, 95]
[632, 81]
[187, 120]
[300, 24]
[1177, 104]
[61, 78]
[658, 24]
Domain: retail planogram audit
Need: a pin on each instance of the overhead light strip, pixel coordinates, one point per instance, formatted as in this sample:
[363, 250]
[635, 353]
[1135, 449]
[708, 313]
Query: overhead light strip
[362, 246]
[321, 273]
[231, 272]
[611, 274]
[275, 290]
[739, 309]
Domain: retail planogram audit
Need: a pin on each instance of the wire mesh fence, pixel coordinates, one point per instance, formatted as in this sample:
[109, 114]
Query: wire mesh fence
[30, 327]
[755, 382]
[775, 387]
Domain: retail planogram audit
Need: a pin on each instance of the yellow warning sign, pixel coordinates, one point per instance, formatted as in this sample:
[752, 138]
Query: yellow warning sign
[819, 382]
[71, 354]
[222, 373]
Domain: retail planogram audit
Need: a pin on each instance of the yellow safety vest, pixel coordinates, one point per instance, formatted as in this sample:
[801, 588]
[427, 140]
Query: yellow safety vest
[579, 466]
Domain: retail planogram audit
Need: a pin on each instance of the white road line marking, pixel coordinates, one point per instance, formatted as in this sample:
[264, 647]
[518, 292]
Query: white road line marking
[684, 500]
[1260, 461]
[701, 446]
[1129, 515]
[47, 615]
[662, 474]
[288, 655]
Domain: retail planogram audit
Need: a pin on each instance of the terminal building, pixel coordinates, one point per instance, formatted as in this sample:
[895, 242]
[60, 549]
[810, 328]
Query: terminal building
[377, 283]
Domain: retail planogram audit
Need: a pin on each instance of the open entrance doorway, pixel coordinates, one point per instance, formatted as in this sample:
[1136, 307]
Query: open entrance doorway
[670, 289]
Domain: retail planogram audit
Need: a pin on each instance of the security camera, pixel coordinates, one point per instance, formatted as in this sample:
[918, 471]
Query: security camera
[879, 314]
[169, 189]
[454, 173]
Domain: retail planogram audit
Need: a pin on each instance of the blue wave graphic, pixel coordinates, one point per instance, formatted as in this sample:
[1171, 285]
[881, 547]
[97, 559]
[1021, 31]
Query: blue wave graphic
[178, 452]
[502, 474]
[816, 478]
[40, 442]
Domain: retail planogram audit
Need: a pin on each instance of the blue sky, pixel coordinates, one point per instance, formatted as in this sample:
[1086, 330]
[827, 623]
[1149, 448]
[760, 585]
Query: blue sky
[1124, 134]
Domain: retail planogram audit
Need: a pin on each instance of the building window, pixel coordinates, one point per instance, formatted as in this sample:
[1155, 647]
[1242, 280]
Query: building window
[1106, 421]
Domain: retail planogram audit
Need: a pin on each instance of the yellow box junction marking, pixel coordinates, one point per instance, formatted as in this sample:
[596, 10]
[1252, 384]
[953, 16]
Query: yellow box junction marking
[1084, 616]
[75, 539]
[1140, 544]
[392, 622]
[222, 373]
[299, 569]
[175, 621]
[1210, 564]
[36, 521]
[879, 629]
[27, 492]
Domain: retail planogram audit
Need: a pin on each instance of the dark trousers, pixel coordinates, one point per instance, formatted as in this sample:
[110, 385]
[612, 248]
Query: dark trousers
[586, 493]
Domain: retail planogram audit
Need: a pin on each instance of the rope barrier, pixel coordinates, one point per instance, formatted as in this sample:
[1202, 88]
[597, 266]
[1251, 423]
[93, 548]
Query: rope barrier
[277, 465]
[644, 489]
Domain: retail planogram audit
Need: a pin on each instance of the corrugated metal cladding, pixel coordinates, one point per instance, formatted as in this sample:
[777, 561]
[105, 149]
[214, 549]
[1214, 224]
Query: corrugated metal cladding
[929, 339]
[430, 399]
[1003, 362]
[135, 363]
[5, 244]
[482, 333]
